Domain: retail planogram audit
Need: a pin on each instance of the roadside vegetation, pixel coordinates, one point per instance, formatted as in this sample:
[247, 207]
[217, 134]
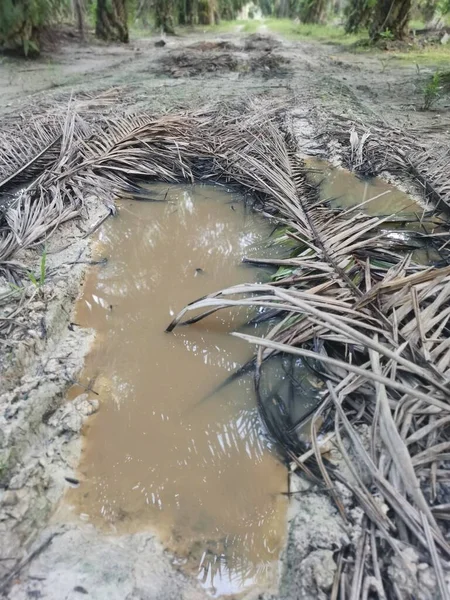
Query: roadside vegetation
[25, 23]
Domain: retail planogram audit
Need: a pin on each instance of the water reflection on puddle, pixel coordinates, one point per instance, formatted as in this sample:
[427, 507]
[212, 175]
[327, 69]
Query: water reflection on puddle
[163, 453]
[344, 190]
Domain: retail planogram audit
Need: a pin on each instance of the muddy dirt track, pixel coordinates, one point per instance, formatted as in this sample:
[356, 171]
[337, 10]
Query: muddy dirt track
[39, 438]
[193, 69]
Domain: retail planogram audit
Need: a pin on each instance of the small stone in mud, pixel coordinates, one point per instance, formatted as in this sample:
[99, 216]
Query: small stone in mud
[9, 498]
[72, 481]
[86, 407]
[199, 271]
[71, 422]
[80, 589]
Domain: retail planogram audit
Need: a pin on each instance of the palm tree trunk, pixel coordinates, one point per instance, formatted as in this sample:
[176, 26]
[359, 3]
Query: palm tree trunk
[192, 12]
[358, 14]
[79, 8]
[164, 10]
[112, 24]
[391, 16]
[313, 11]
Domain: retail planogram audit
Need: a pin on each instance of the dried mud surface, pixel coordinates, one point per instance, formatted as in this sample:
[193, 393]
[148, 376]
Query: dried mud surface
[40, 435]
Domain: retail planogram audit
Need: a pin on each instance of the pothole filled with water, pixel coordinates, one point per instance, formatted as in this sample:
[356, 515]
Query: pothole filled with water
[346, 190]
[171, 449]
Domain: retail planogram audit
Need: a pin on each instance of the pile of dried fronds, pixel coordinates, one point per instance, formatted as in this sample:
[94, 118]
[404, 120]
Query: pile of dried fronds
[261, 42]
[192, 63]
[371, 322]
[208, 45]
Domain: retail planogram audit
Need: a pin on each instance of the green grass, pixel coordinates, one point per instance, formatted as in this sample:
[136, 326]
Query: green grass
[42, 272]
[416, 24]
[325, 33]
[286, 28]
[436, 56]
[249, 26]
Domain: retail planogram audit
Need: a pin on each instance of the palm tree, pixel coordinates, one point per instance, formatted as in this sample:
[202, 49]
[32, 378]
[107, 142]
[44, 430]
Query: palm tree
[22, 21]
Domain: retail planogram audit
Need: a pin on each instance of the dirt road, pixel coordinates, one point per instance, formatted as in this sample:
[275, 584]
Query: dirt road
[40, 437]
[198, 68]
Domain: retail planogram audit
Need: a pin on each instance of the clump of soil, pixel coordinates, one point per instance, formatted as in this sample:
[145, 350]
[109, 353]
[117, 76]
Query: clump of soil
[189, 64]
[260, 42]
[213, 45]
[269, 64]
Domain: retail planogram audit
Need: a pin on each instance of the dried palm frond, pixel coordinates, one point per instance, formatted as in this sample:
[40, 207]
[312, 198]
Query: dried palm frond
[24, 155]
[33, 212]
[431, 167]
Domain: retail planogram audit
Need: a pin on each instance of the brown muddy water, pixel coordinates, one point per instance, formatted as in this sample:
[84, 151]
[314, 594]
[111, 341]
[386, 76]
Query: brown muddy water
[345, 190]
[163, 453]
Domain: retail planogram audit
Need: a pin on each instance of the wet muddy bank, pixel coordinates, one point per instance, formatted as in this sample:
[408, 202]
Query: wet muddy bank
[39, 443]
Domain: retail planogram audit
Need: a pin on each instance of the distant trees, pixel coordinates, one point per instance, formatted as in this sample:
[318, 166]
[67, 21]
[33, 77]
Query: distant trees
[187, 12]
[428, 9]
[205, 12]
[308, 11]
[228, 9]
[143, 9]
[383, 18]
[285, 8]
[22, 21]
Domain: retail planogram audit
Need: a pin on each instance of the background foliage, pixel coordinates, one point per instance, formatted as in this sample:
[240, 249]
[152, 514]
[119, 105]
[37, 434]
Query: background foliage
[23, 22]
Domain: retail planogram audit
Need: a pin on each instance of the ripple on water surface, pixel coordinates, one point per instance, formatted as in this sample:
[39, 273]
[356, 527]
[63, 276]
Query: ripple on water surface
[163, 453]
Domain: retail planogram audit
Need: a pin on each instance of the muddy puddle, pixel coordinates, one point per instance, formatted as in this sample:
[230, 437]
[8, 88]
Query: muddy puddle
[345, 190]
[165, 451]
[408, 220]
